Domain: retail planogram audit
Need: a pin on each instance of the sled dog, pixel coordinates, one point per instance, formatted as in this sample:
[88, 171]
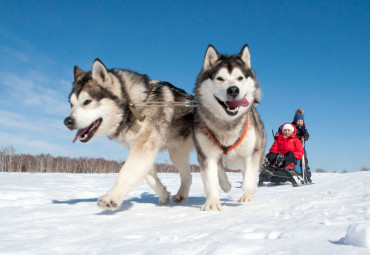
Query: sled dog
[110, 103]
[227, 128]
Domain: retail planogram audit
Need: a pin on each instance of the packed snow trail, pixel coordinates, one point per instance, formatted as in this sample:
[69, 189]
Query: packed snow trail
[57, 214]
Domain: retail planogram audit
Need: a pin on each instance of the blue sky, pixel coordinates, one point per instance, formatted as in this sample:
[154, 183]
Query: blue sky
[309, 54]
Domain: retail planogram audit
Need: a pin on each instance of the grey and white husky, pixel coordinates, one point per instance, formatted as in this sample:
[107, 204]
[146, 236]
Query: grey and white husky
[228, 130]
[110, 102]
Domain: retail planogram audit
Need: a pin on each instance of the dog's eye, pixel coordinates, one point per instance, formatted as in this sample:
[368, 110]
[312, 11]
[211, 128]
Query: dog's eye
[219, 78]
[87, 102]
[240, 78]
[71, 105]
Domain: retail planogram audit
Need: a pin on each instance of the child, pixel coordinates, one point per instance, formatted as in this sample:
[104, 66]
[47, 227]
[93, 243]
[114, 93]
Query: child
[298, 121]
[286, 148]
[302, 133]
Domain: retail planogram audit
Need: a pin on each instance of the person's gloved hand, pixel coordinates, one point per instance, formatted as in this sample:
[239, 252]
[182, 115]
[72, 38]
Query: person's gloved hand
[280, 160]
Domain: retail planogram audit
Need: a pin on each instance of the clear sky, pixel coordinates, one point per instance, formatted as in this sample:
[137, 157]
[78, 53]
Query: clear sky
[309, 54]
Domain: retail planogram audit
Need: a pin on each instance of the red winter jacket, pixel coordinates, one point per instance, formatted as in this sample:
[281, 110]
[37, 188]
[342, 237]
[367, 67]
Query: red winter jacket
[283, 145]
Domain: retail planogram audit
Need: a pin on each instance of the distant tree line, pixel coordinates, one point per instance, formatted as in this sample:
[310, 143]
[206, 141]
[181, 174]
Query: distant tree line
[320, 170]
[46, 163]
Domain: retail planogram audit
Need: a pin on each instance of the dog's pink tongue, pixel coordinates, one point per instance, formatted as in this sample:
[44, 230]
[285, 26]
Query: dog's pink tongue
[242, 102]
[79, 133]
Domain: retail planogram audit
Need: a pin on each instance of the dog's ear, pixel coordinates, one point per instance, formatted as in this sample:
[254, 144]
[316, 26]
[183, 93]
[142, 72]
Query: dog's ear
[77, 72]
[257, 96]
[211, 57]
[245, 55]
[100, 73]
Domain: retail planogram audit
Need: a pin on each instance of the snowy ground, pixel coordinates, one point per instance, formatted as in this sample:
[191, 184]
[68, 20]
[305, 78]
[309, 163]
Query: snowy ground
[57, 214]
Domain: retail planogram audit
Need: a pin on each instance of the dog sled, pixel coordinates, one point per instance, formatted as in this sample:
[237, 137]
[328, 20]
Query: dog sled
[296, 175]
[274, 174]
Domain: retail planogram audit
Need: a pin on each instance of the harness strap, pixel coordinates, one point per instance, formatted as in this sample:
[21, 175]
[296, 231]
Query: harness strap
[132, 107]
[136, 113]
[224, 148]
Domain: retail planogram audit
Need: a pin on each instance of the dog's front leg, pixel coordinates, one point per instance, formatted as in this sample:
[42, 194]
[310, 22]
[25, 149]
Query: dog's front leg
[158, 187]
[210, 180]
[250, 178]
[223, 180]
[138, 164]
[180, 158]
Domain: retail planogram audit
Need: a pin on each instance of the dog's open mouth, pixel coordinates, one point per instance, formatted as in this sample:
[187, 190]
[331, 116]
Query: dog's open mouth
[86, 134]
[232, 107]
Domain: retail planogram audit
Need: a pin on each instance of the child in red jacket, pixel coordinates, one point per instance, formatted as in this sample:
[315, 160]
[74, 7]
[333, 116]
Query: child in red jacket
[287, 148]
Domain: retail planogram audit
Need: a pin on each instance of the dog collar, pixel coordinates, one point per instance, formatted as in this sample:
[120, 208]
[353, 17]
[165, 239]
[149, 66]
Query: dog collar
[224, 148]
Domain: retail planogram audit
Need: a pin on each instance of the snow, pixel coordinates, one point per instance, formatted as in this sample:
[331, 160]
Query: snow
[357, 235]
[57, 214]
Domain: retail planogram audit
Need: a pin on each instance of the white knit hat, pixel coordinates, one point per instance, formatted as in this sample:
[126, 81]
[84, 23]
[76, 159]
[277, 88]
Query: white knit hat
[288, 126]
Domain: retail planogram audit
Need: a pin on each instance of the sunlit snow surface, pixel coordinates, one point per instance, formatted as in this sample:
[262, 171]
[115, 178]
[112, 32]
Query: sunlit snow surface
[57, 214]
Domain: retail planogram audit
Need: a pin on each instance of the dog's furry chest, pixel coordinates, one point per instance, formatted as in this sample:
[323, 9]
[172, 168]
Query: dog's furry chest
[233, 161]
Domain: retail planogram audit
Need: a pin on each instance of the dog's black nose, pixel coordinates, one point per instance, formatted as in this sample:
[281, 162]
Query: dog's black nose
[233, 91]
[69, 122]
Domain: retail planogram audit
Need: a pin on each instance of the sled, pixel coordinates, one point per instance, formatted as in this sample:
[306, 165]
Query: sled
[277, 175]
[297, 176]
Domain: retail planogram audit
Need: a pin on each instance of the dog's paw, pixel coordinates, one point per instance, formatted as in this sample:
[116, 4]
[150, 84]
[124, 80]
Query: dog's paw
[246, 198]
[212, 204]
[108, 203]
[164, 199]
[178, 198]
